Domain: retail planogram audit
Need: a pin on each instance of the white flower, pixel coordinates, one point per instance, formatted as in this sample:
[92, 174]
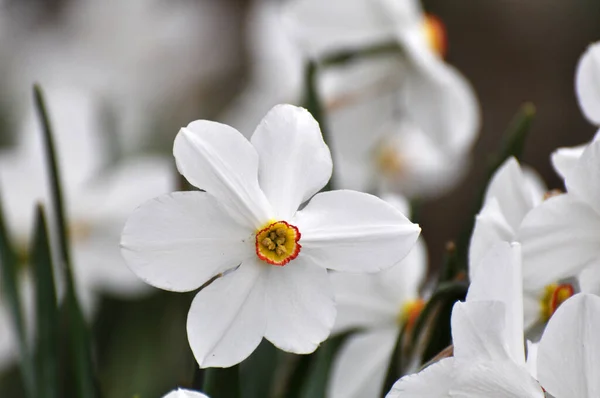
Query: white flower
[511, 194]
[587, 80]
[249, 217]
[569, 352]
[182, 393]
[409, 120]
[487, 332]
[377, 306]
[561, 236]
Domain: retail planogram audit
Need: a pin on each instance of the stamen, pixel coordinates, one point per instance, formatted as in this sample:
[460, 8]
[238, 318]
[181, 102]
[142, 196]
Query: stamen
[277, 243]
[553, 297]
[410, 312]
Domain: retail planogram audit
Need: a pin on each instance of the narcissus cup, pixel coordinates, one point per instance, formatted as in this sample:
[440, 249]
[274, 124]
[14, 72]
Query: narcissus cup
[270, 258]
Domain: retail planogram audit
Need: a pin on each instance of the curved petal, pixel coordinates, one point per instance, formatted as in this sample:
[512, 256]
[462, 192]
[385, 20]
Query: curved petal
[589, 280]
[359, 369]
[532, 358]
[179, 241]
[294, 161]
[490, 229]
[584, 180]
[560, 238]
[497, 379]
[402, 281]
[300, 306]
[569, 352]
[435, 381]
[353, 231]
[499, 278]
[227, 319]
[564, 160]
[587, 83]
[181, 393]
[218, 159]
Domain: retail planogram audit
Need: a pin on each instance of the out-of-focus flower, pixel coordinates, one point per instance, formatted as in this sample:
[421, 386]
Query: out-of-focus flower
[487, 332]
[511, 194]
[182, 393]
[376, 306]
[276, 68]
[400, 122]
[98, 198]
[146, 60]
[586, 83]
[246, 228]
[569, 352]
[561, 237]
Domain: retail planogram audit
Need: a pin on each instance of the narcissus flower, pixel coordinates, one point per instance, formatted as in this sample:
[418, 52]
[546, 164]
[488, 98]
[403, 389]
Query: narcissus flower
[271, 258]
[181, 393]
[487, 332]
[376, 306]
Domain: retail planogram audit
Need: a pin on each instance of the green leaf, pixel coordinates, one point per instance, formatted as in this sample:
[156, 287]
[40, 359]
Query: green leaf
[47, 316]
[257, 373]
[222, 382]
[78, 333]
[10, 291]
[316, 383]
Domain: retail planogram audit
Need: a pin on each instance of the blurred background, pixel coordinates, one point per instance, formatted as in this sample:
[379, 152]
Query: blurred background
[122, 76]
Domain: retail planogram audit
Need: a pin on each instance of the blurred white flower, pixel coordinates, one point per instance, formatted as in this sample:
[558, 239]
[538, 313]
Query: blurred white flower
[510, 195]
[569, 352]
[376, 306]
[587, 80]
[561, 236]
[487, 333]
[400, 122]
[98, 198]
[246, 228]
[182, 393]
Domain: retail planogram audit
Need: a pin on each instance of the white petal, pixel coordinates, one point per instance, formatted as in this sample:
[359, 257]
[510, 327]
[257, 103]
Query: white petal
[435, 381]
[294, 161]
[589, 280]
[532, 358]
[179, 241]
[491, 228]
[300, 306]
[403, 281]
[325, 27]
[559, 238]
[479, 331]
[565, 159]
[498, 379]
[218, 159]
[227, 319]
[181, 393]
[584, 179]
[569, 352]
[499, 278]
[353, 231]
[587, 83]
[361, 364]
[398, 201]
[512, 191]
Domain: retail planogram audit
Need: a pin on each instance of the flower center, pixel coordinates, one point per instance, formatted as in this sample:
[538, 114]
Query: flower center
[435, 33]
[388, 159]
[554, 295]
[277, 243]
[410, 312]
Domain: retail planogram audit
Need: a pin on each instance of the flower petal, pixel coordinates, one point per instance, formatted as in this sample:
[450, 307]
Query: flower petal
[584, 179]
[589, 280]
[499, 278]
[587, 83]
[179, 241]
[564, 160]
[495, 379]
[300, 306]
[434, 381]
[218, 159]
[569, 351]
[181, 393]
[360, 366]
[294, 161]
[560, 238]
[227, 319]
[353, 231]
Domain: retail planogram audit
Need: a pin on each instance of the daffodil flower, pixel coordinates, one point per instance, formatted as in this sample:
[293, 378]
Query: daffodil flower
[375, 306]
[183, 393]
[487, 332]
[561, 237]
[569, 351]
[400, 122]
[249, 229]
